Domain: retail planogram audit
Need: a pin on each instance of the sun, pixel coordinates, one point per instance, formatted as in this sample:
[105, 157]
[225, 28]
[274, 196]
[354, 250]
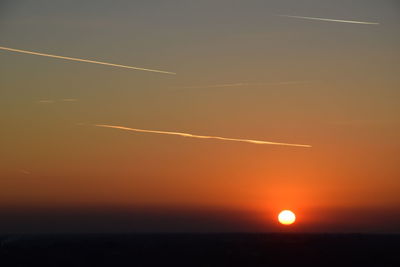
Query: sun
[286, 217]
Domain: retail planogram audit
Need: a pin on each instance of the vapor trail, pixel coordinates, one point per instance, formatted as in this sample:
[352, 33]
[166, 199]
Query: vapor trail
[82, 60]
[331, 20]
[258, 142]
[242, 84]
[46, 101]
[24, 171]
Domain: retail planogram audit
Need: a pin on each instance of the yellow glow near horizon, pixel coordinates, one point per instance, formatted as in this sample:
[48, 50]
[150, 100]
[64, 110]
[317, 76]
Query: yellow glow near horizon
[286, 217]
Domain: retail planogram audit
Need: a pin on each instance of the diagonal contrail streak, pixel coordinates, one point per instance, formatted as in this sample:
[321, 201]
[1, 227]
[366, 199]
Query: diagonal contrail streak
[258, 142]
[242, 84]
[331, 20]
[82, 60]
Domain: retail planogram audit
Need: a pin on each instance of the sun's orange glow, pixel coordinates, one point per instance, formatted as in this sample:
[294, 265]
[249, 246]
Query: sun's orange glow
[286, 217]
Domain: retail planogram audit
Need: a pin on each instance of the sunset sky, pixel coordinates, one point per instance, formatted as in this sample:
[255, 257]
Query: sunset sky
[250, 70]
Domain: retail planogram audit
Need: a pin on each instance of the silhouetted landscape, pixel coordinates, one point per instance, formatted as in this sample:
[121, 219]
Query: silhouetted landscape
[201, 250]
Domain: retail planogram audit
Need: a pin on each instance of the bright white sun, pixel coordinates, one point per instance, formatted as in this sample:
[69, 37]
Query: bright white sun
[286, 217]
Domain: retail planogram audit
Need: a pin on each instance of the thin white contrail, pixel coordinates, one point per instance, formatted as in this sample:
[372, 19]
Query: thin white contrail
[258, 142]
[24, 171]
[242, 84]
[46, 101]
[82, 60]
[53, 101]
[217, 85]
[331, 20]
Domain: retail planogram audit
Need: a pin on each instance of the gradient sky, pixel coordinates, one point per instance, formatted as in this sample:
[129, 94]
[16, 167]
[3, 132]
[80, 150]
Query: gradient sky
[331, 85]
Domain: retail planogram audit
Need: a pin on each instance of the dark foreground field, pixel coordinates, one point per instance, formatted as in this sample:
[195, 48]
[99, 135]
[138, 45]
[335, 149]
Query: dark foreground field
[200, 250]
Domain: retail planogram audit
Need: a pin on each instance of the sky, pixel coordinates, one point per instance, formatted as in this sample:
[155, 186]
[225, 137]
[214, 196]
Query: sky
[319, 73]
